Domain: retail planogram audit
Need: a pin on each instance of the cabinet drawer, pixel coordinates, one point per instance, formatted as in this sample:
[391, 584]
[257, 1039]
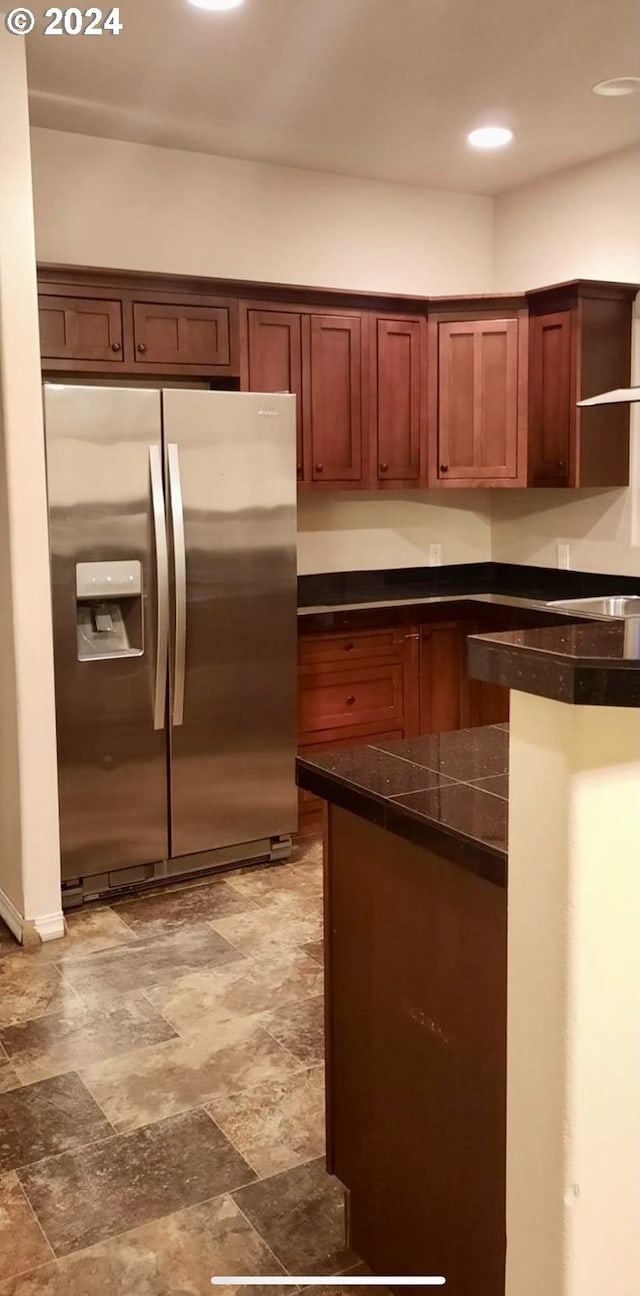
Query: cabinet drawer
[333, 699]
[181, 335]
[373, 644]
[307, 800]
[80, 328]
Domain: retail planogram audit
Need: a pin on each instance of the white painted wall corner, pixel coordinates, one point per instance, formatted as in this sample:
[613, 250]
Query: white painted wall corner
[11, 916]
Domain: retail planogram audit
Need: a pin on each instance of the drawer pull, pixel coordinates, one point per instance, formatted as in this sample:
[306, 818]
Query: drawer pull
[349, 647]
[384, 467]
[444, 468]
[142, 347]
[350, 700]
[319, 468]
[116, 346]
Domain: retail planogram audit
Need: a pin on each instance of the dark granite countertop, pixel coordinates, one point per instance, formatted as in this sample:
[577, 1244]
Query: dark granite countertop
[511, 583]
[597, 664]
[447, 792]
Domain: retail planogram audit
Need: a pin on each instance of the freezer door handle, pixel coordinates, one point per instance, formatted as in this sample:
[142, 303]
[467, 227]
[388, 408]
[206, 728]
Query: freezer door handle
[180, 561]
[162, 580]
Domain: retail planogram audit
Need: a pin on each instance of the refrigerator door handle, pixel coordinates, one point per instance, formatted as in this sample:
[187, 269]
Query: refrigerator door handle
[180, 561]
[162, 579]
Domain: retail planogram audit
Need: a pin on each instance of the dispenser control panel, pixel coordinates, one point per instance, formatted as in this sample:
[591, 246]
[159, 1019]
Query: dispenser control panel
[100, 580]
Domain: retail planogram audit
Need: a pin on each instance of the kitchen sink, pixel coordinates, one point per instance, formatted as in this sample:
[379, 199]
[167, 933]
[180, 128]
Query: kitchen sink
[614, 605]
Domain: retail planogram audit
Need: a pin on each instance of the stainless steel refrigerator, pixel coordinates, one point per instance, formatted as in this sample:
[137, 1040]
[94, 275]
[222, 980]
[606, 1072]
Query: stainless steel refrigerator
[172, 521]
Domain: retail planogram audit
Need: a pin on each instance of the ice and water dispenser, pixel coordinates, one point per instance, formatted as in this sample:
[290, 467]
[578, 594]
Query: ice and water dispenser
[109, 616]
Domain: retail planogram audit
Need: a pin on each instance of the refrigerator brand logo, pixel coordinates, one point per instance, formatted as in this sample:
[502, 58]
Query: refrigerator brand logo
[269, 413]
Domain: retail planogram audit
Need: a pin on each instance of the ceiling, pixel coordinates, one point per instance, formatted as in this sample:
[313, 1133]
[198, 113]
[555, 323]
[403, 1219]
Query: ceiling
[379, 88]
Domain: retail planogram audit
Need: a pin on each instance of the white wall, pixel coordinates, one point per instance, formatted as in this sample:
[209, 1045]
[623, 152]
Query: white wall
[582, 223]
[573, 1000]
[29, 846]
[133, 206]
[356, 531]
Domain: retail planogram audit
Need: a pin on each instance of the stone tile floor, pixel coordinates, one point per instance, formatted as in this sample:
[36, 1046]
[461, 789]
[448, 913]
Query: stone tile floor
[162, 1093]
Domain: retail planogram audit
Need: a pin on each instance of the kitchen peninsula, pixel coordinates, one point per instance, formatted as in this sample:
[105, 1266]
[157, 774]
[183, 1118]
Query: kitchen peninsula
[459, 1116]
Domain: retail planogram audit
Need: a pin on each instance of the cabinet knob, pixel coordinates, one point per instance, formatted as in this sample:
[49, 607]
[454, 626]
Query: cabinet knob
[299, 470]
[142, 347]
[116, 346]
[444, 467]
[350, 700]
[561, 463]
[319, 468]
[349, 647]
[384, 467]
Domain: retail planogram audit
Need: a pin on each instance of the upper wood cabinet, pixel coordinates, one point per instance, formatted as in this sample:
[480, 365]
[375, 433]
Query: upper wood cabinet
[580, 345]
[334, 375]
[360, 380]
[391, 393]
[550, 388]
[173, 335]
[320, 357]
[271, 358]
[81, 328]
[478, 405]
[399, 450]
[95, 322]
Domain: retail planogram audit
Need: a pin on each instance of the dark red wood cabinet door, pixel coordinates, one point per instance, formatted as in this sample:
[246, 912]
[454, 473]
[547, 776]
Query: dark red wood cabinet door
[181, 335]
[442, 678]
[550, 406]
[333, 376]
[478, 400]
[359, 695]
[400, 369]
[272, 360]
[80, 328]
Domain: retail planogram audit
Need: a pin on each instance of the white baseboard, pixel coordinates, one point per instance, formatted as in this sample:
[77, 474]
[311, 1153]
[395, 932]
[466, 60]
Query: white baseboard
[11, 916]
[50, 926]
[46, 927]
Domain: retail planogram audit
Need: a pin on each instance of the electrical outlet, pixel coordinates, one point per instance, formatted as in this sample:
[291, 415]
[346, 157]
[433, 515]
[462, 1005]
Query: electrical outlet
[435, 555]
[563, 553]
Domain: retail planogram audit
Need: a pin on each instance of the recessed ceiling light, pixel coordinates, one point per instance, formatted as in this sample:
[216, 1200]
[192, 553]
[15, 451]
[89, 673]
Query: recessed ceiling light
[216, 4]
[618, 86]
[490, 137]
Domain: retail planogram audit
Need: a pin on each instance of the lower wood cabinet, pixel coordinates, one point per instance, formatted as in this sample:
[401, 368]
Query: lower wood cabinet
[373, 684]
[354, 687]
[416, 1012]
[443, 683]
[358, 694]
[449, 699]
